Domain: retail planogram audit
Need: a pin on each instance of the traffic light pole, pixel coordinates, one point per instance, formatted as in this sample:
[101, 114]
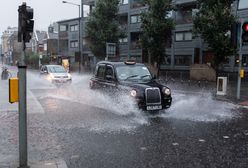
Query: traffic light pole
[25, 27]
[22, 68]
[240, 61]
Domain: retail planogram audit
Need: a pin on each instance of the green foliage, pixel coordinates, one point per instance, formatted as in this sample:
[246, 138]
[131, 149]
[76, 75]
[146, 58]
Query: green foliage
[45, 60]
[32, 60]
[103, 27]
[156, 28]
[213, 21]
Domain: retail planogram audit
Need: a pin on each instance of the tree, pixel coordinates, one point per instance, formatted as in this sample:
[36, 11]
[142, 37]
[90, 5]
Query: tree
[157, 27]
[213, 22]
[103, 27]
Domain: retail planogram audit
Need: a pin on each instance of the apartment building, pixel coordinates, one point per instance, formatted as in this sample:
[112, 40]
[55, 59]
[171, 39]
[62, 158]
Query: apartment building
[186, 48]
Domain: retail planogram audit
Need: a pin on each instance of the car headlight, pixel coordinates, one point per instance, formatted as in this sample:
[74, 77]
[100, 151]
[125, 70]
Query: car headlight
[166, 91]
[69, 76]
[133, 93]
[52, 76]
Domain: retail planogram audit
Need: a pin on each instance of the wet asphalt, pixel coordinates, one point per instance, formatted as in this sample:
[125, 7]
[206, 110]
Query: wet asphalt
[89, 129]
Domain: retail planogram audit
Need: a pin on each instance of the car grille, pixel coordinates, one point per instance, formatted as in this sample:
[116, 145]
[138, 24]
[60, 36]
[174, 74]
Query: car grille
[61, 77]
[153, 96]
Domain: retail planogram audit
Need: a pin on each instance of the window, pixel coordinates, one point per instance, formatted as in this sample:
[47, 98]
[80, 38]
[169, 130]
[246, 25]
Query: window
[183, 60]
[123, 2]
[245, 60]
[63, 27]
[74, 28]
[74, 44]
[183, 36]
[123, 40]
[135, 19]
[100, 71]
[109, 72]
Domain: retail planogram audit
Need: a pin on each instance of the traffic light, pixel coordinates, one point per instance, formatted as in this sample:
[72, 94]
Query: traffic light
[245, 33]
[26, 23]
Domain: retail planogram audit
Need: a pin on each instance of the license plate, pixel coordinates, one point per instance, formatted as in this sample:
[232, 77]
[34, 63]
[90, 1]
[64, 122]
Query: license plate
[157, 107]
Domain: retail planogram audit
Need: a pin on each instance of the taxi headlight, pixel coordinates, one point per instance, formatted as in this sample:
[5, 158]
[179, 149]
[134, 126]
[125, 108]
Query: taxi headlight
[133, 93]
[166, 91]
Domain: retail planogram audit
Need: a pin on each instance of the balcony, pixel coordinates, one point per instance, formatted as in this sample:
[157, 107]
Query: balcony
[136, 4]
[184, 2]
[123, 8]
[88, 2]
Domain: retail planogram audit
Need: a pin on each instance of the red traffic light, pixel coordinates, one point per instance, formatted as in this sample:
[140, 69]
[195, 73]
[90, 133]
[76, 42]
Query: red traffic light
[245, 26]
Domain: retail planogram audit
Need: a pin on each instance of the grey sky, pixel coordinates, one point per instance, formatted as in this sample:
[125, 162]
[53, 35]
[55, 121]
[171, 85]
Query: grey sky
[45, 12]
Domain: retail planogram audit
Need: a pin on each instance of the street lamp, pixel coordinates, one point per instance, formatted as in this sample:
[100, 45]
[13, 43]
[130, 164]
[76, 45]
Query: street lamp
[79, 32]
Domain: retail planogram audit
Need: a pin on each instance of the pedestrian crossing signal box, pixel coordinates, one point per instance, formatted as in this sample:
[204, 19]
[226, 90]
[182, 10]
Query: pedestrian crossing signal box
[13, 90]
[242, 73]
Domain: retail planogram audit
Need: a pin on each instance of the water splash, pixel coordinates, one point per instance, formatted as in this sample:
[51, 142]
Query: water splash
[201, 107]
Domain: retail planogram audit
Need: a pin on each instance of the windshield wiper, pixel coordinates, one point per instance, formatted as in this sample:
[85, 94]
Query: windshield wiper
[144, 76]
[131, 77]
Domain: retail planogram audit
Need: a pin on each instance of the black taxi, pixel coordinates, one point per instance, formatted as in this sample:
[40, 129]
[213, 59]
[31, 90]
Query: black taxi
[134, 79]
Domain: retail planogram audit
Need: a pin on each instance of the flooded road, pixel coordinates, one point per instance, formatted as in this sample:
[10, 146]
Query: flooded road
[88, 128]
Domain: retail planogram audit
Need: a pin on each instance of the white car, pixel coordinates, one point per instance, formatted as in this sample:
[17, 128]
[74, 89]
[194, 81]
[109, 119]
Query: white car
[56, 74]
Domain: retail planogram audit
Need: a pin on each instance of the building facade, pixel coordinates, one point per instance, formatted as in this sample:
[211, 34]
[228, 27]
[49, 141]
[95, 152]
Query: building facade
[7, 48]
[186, 48]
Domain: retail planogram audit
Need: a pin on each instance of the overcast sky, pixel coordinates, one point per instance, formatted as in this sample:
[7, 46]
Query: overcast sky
[45, 12]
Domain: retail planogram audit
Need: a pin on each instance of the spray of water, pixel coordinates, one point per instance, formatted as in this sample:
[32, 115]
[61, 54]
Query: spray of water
[196, 107]
[201, 107]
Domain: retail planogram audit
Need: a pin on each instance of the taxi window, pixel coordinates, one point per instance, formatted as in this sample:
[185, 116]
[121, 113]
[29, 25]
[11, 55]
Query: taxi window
[100, 71]
[109, 71]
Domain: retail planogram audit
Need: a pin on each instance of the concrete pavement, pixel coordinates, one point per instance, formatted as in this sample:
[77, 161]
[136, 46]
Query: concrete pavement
[41, 164]
[33, 106]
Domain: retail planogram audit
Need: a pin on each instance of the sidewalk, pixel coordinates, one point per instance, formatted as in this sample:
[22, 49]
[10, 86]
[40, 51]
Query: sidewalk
[33, 106]
[41, 164]
[210, 87]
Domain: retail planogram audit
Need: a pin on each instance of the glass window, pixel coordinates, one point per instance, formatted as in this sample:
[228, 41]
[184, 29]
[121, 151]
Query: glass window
[73, 28]
[183, 60]
[63, 27]
[188, 36]
[135, 19]
[123, 40]
[123, 2]
[74, 44]
[179, 36]
[109, 71]
[133, 73]
[56, 69]
[100, 71]
[245, 60]
[183, 36]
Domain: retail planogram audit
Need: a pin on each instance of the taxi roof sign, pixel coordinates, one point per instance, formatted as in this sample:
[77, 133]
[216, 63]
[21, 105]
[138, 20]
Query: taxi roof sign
[130, 62]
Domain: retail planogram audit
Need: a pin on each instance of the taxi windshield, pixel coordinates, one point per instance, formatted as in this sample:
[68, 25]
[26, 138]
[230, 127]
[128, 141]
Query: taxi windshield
[133, 73]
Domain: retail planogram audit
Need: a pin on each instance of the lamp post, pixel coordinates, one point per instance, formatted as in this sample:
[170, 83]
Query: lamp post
[79, 32]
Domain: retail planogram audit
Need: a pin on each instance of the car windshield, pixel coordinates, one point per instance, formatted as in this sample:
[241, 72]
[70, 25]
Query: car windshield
[56, 69]
[133, 73]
